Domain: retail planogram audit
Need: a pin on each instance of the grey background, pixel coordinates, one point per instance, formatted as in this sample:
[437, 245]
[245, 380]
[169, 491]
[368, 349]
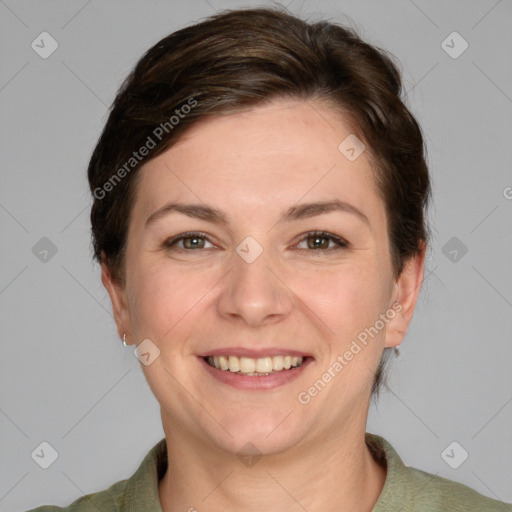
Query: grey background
[66, 377]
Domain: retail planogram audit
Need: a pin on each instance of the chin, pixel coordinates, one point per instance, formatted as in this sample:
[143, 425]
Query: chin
[258, 434]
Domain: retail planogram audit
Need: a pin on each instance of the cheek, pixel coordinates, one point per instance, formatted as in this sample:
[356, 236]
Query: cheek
[348, 299]
[165, 302]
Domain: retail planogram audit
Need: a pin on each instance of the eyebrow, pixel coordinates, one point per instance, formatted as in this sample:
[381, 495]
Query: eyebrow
[297, 212]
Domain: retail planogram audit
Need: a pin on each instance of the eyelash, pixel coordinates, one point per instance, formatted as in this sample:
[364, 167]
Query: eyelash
[341, 244]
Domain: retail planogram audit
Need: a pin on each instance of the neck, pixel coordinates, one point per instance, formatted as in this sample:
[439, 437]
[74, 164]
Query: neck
[338, 474]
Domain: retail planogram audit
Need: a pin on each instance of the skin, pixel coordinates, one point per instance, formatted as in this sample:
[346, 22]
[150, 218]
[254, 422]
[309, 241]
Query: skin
[253, 166]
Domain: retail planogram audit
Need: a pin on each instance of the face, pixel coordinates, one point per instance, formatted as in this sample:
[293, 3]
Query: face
[267, 273]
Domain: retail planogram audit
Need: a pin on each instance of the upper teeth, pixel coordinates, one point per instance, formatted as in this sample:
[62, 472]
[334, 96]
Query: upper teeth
[250, 365]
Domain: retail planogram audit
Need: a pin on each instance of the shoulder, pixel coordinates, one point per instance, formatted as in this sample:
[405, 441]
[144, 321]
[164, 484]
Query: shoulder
[139, 492]
[109, 500]
[412, 490]
[435, 493]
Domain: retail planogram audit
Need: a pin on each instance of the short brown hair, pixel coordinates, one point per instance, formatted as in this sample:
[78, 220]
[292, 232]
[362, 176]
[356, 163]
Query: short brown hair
[237, 60]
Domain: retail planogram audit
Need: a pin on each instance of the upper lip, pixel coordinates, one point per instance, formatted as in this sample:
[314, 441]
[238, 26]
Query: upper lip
[254, 354]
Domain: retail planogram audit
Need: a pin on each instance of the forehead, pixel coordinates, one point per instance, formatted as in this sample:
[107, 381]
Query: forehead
[281, 153]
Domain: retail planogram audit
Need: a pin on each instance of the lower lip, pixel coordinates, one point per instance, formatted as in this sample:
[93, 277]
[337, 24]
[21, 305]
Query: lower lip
[252, 382]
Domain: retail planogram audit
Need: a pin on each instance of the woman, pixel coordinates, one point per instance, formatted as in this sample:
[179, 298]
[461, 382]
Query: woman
[259, 216]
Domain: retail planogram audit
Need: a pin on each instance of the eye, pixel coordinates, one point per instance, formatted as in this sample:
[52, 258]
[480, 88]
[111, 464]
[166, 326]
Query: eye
[191, 240]
[315, 240]
[319, 241]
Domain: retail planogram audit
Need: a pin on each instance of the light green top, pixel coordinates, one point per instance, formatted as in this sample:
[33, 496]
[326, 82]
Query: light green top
[406, 489]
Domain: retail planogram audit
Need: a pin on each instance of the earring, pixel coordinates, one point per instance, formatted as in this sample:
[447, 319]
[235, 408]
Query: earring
[397, 352]
[124, 339]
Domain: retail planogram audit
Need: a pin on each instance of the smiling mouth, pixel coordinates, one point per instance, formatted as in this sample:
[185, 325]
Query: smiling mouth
[255, 367]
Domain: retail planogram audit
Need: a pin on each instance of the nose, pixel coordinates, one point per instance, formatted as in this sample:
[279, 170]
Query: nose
[255, 292]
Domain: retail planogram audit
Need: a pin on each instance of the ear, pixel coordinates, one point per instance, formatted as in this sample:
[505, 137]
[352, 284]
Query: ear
[408, 287]
[118, 298]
